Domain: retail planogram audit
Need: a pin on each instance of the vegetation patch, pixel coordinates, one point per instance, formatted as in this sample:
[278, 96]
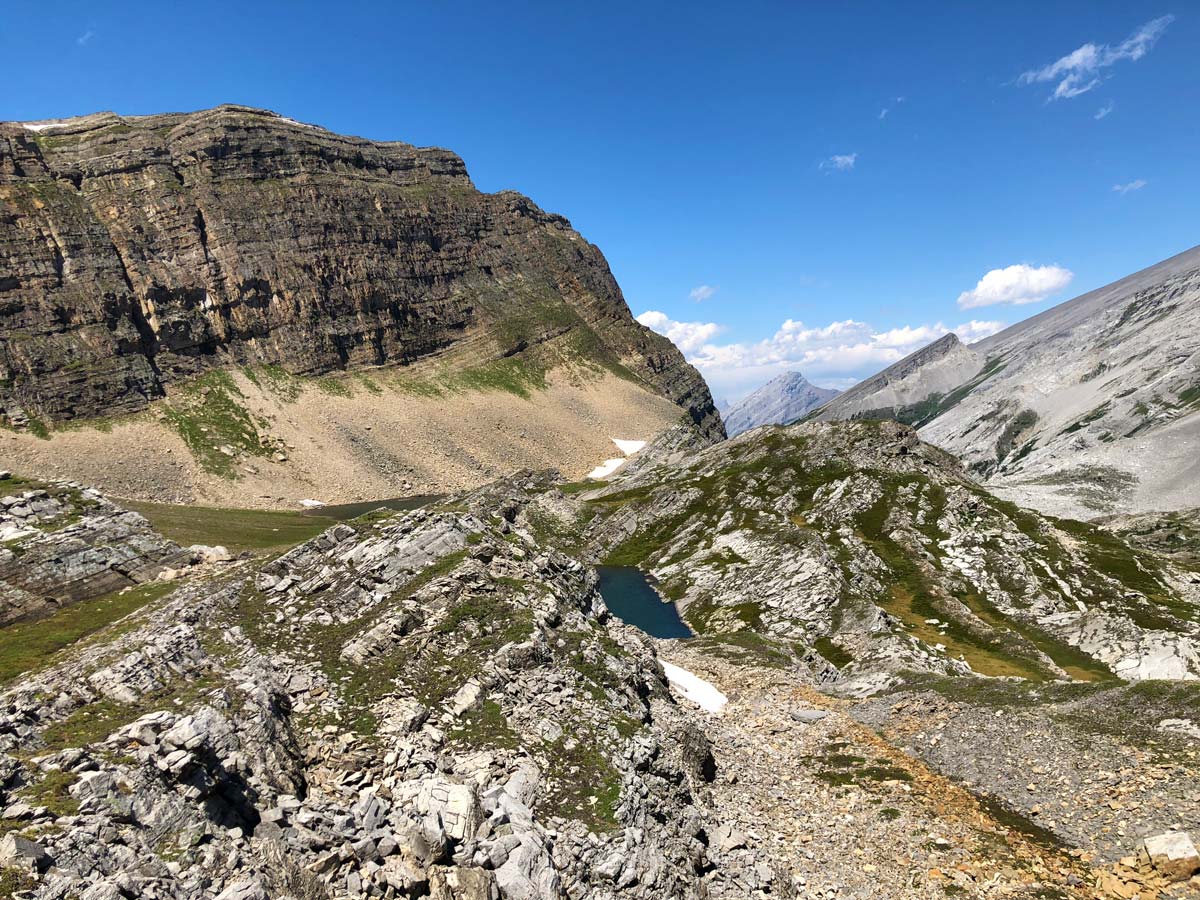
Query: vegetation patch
[28, 646]
[745, 648]
[1012, 820]
[208, 414]
[1021, 423]
[96, 720]
[485, 725]
[237, 530]
[13, 881]
[832, 652]
[581, 783]
[52, 790]
[1098, 413]
[333, 385]
[838, 768]
[276, 380]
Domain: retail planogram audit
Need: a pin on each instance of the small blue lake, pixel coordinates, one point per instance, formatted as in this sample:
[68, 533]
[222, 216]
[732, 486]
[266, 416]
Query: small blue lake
[629, 596]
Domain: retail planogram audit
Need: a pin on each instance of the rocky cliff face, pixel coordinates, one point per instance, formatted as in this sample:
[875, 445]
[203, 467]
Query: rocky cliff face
[781, 401]
[1089, 408]
[137, 251]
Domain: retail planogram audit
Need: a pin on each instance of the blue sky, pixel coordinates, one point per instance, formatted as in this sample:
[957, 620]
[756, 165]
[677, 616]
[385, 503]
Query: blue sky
[760, 149]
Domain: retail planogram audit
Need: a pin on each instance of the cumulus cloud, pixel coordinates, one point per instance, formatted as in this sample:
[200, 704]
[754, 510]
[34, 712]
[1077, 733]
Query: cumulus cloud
[1136, 185]
[1081, 70]
[1016, 285]
[687, 336]
[840, 163]
[835, 355]
[703, 292]
[1103, 111]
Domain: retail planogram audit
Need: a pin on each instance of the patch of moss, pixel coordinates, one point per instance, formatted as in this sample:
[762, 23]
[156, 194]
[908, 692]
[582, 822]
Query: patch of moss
[1022, 422]
[485, 725]
[581, 783]
[1098, 413]
[13, 881]
[838, 768]
[280, 382]
[1009, 818]
[832, 652]
[333, 385]
[95, 721]
[519, 375]
[52, 790]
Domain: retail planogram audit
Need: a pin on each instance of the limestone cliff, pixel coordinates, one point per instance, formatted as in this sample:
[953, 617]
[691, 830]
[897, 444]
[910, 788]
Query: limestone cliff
[137, 251]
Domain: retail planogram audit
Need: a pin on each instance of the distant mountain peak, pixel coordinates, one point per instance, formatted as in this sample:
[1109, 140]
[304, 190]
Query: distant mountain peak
[785, 398]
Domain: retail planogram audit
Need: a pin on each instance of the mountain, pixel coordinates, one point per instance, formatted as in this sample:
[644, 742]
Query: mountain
[139, 255]
[783, 399]
[858, 543]
[1088, 408]
[439, 703]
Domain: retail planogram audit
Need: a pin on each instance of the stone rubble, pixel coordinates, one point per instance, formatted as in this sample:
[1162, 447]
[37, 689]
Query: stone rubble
[426, 705]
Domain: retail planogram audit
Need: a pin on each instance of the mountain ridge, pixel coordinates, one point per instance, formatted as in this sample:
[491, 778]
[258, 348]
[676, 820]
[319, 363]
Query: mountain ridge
[1088, 408]
[142, 250]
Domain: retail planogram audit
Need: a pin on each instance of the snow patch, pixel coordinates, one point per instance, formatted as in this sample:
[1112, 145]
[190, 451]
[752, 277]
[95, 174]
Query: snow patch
[312, 504]
[694, 688]
[294, 122]
[606, 468]
[42, 126]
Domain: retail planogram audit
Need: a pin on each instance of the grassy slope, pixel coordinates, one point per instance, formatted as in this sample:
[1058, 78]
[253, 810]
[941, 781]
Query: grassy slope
[777, 464]
[237, 530]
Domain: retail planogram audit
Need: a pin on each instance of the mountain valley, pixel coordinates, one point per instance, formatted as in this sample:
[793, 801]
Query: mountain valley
[937, 636]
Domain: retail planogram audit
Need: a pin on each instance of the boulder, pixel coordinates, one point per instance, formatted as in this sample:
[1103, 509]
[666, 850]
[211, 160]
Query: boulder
[20, 851]
[1173, 855]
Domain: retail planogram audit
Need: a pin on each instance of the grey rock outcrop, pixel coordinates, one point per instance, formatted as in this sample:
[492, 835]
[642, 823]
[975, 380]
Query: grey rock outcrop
[427, 705]
[61, 543]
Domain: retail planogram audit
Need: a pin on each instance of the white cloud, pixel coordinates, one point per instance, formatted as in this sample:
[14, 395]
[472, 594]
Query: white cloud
[1081, 70]
[703, 292]
[883, 113]
[1136, 185]
[975, 330]
[687, 336]
[836, 355]
[1017, 285]
[83, 39]
[1103, 111]
[842, 163]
